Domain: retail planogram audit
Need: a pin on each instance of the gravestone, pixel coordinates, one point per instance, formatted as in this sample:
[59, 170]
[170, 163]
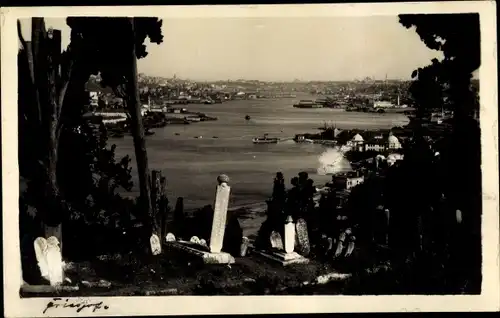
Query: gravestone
[458, 216]
[54, 261]
[170, 237]
[289, 235]
[285, 256]
[244, 246]
[276, 240]
[40, 245]
[196, 247]
[350, 246]
[195, 240]
[220, 214]
[202, 242]
[340, 244]
[303, 246]
[155, 243]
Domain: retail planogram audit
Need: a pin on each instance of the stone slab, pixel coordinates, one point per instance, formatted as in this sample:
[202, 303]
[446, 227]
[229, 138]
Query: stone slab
[206, 257]
[284, 258]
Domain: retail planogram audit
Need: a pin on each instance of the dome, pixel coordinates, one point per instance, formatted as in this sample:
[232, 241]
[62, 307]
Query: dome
[357, 137]
[393, 139]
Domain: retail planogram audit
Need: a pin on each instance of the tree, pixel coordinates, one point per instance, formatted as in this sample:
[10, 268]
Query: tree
[46, 73]
[52, 94]
[448, 83]
[111, 47]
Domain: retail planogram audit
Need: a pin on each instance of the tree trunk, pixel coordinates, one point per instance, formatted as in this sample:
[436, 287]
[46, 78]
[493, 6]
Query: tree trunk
[46, 55]
[137, 129]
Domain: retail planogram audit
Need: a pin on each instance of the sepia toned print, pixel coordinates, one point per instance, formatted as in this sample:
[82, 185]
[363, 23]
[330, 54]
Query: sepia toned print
[250, 156]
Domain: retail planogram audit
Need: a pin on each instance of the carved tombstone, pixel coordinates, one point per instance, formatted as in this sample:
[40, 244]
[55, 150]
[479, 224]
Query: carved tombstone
[340, 244]
[303, 246]
[244, 246]
[350, 246]
[202, 242]
[220, 214]
[155, 244]
[276, 240]
[40, 245]
[170, 237]
[54, 261]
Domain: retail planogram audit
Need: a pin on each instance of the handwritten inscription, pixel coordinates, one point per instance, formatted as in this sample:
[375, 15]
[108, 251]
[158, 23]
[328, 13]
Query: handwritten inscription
[78, 304]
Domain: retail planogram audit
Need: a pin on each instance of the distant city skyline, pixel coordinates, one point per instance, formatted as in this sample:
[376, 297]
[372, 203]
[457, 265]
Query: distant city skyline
[282, 49]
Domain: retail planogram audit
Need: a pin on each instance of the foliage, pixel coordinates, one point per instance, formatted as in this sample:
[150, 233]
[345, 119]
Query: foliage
[88, 174]
[454, 176]
[100, 43]
[457, 36]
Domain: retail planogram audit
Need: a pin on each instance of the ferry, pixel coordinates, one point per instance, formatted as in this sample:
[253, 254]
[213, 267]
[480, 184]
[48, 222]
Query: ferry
[266, 140]
[307, 103]
[193, 118]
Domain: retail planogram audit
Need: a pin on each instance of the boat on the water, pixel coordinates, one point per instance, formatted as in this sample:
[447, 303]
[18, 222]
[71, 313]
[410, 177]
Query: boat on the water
[247, 117]
[307, 103]
[265, 140]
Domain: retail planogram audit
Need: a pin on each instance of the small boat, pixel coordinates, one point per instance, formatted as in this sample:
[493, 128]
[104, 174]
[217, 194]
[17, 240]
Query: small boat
[198, 137]
[215, 137]
[265, 140]
[247, 117]
[177, 134]
[307, 103]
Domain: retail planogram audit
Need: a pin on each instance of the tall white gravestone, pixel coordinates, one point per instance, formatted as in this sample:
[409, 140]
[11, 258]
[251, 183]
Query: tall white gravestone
[220, 214]
[289, 235]
[54, 261]
[41, 245]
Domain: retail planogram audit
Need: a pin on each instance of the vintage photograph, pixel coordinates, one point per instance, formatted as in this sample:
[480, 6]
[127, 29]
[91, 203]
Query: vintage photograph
[200, 156]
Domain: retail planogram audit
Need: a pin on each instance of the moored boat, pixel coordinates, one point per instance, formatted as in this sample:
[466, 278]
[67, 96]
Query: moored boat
[265, 140]
[306, 103]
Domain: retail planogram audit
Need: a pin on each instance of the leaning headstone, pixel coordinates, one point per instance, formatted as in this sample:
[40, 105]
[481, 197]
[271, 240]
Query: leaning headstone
[220, 214]
[216, 217]
[170, 237]
[340, 244]
[40, 245]
[303, 246]
[350, 246]
[54, 262]
[155, 244]
[244, 246]
[195, 240]
[276, 240]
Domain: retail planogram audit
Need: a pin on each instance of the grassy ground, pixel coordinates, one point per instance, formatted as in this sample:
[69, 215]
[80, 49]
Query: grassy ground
[168, 274]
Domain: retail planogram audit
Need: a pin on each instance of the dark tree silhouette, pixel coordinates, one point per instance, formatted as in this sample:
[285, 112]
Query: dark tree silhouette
[447, 83]
[111, 47]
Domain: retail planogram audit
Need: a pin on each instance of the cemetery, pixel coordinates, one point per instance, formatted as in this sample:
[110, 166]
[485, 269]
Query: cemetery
[207, 254]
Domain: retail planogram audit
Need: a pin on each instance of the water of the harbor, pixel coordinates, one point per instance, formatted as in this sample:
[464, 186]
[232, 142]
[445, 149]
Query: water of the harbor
[192, 165]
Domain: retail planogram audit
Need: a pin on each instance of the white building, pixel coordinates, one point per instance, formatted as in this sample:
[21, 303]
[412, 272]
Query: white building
[382, 104]
[356, 143]
[393, 142]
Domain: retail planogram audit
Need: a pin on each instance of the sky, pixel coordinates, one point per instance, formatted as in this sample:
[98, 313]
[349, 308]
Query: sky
[282, 49]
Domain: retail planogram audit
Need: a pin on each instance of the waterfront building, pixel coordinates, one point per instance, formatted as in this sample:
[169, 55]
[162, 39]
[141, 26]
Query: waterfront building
[356, 143]
[382, 104]
[393, 142]
[347, 181]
